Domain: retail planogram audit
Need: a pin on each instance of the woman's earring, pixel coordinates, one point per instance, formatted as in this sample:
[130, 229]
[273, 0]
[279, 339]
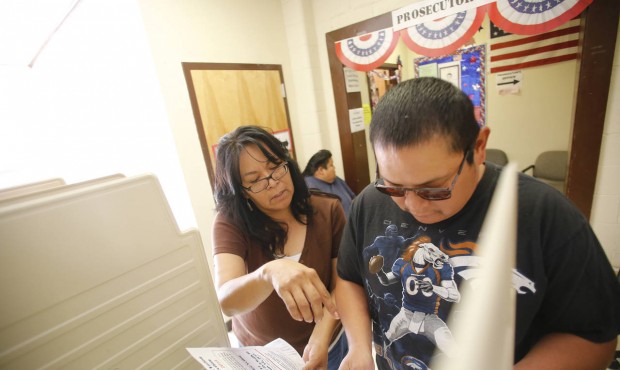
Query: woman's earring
[247, 201]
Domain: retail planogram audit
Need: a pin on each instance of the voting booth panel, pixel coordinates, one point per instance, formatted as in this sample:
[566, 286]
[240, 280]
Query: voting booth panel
[30, 188]
[45, 188]
[98, 276]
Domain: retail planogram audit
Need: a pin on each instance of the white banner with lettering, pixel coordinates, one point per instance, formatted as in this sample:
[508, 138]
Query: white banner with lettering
[430, 10]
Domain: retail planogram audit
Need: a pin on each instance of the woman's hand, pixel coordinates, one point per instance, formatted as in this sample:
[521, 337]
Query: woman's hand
[300, 288]
[315, 356]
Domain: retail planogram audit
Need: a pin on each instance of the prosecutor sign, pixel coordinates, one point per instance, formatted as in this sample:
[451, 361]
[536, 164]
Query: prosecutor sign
[429, 10]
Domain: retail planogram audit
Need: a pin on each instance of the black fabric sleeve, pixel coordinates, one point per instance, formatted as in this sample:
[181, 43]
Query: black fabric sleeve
[583, 295]
[349, 254]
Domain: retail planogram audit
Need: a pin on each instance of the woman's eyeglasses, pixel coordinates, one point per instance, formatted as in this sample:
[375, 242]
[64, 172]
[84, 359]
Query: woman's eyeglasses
[262, 184]
[424, 193]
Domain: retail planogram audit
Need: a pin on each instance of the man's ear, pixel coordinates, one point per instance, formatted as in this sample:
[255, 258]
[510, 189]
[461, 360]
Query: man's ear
[481, 145]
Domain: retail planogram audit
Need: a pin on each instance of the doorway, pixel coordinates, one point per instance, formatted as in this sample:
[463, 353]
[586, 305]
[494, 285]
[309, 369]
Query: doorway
[226, 96]
[596, 49]
[379, 81]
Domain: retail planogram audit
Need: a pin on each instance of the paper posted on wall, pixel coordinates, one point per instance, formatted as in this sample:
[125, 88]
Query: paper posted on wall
[276, 355]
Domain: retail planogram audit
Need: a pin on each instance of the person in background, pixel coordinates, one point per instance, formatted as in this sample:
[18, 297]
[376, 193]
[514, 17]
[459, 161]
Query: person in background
[274, 248]
[433, 188]
[320, 173]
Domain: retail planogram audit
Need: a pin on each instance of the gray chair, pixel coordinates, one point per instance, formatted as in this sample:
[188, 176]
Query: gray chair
[497, 156]
[551, 167]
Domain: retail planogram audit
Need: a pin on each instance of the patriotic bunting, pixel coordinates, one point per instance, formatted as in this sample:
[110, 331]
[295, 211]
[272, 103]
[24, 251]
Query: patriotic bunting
[443, 36]
[367, 52]
[554, 40]
[531, 17]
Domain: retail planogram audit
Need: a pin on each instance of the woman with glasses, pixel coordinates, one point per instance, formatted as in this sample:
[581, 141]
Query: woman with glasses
[275, 246]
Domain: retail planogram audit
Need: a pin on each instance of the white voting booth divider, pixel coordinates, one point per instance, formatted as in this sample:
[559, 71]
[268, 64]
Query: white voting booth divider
[23, 193]
[30, 188]
[97, 275]
[484, 327]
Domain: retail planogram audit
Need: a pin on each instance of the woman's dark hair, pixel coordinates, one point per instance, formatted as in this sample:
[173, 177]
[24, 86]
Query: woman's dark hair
[418, 109]
[318, 160]
[229, 194]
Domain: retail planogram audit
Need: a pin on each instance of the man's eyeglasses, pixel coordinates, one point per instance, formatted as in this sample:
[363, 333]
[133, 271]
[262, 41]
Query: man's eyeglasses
[262, 184]
[424, 193]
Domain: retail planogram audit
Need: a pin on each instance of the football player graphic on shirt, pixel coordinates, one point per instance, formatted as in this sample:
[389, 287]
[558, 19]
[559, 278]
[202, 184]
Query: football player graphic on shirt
[427, 279]
[388, 246]
[387, 306]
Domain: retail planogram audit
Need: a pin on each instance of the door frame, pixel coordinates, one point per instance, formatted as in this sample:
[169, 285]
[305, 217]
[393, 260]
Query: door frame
[205, 146]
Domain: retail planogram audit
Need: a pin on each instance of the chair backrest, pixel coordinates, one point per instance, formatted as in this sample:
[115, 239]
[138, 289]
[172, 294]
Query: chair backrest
[552, 167]
[497, 156]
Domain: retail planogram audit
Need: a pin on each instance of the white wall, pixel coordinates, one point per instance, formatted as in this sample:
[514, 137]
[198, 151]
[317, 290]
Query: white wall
[302, 45]
[233, 31]
[537, 119]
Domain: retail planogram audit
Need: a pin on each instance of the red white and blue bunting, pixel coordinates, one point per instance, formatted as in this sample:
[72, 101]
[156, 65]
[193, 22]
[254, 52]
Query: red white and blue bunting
[367, 52]
[449, 32]
[443, 36]
[531, 17]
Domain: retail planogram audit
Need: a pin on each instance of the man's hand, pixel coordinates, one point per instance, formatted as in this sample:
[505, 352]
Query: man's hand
[315, 356]
[425, 285]
[357, 361]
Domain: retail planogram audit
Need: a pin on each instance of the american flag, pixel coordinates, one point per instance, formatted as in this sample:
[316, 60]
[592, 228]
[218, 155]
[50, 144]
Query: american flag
[511, 52]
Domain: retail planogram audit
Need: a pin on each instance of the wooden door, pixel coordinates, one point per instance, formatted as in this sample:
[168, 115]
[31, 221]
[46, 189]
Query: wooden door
[226, 96]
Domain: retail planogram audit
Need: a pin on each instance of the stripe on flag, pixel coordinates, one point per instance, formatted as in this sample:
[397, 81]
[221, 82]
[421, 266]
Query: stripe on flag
[510, 52]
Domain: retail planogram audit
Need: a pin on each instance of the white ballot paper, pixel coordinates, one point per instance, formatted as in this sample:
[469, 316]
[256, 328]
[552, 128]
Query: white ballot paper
[486, 337]
[276, 355]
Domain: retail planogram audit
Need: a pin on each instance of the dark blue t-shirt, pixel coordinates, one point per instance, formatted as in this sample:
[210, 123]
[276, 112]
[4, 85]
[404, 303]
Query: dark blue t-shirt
[563, 279]
[338, 187]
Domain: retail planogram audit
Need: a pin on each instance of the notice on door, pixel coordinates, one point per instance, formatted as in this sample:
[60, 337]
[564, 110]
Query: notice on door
[352, 80]
[356, 119]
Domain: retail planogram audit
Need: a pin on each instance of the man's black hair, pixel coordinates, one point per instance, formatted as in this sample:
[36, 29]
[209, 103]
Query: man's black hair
[416, 110]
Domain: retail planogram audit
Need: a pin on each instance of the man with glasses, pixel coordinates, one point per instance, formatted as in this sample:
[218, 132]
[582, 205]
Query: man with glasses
[434, 186]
